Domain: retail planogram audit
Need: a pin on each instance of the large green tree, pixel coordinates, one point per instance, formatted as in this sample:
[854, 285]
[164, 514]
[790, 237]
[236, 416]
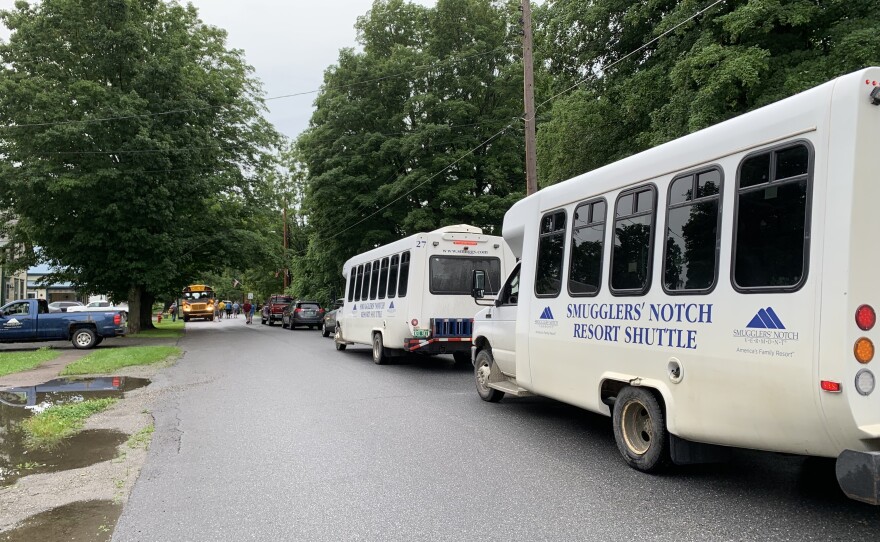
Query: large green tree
[735, 57]
[134, 143]
[394, 146]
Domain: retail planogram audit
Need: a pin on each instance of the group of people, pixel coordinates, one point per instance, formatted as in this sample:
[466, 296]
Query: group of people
[231, 310]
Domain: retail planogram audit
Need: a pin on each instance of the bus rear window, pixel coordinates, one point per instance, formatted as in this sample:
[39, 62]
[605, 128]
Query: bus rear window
[452, 275]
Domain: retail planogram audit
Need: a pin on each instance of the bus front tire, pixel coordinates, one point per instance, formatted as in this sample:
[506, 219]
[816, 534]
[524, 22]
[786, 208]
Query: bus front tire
[640, 429]
[379, 357]
[337, 339]
[482, 368]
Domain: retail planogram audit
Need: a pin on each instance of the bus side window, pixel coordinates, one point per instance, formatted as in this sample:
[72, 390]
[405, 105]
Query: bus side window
[551, 243]
[365, 287]
[587, 248]
[510, 295]
[374, 280]
[392, 276]
[633, 241]
[404, 275]
[360, 282]
[690, 261]
[352, 278]
[771, 244]
[383, 278]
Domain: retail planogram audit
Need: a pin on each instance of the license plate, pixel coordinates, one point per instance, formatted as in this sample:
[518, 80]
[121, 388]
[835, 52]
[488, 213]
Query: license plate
[421, 333]
[310, 314]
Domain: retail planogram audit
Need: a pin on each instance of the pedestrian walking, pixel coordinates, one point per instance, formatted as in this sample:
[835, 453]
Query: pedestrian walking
[251, 313]
[247, 312]
[235, 308]
[173, 310]
[229, 310]
[222, 308]
[217, 312]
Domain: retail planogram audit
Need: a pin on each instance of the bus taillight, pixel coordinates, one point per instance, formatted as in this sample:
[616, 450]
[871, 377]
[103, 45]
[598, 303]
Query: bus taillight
[864, 350]
[865, 317]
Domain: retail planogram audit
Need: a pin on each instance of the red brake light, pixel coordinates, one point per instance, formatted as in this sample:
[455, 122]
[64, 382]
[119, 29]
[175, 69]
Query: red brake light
[298, 309]
[865, 317]
[117, 319]
[833, 387]
[320, 311]
[116, 381]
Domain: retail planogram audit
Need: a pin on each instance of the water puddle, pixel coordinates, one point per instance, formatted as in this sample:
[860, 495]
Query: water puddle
[81, 450]
[87, 521]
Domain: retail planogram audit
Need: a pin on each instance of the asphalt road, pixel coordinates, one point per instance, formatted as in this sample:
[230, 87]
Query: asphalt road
[268, 434]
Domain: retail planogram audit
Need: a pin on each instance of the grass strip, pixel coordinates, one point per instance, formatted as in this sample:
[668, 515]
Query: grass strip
[109, 360]
[15, 362]
[48, 428]
[142, 438]
[165, 330]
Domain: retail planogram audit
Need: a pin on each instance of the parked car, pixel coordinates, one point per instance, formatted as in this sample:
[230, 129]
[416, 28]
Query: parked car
[29, 320]
[274, 307]
[328, 324]
[62, 306]
[98, 306]
[302, 313]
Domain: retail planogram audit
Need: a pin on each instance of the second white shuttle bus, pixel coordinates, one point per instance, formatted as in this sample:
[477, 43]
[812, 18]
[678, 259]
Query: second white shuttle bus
[716, 291]
[413, 295]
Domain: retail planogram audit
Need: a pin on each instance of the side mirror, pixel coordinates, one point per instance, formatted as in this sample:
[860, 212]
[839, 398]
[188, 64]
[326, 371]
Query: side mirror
[478, 284]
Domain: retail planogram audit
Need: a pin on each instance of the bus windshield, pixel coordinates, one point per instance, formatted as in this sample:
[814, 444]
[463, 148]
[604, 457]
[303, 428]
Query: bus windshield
[452, 275]
[197, 292]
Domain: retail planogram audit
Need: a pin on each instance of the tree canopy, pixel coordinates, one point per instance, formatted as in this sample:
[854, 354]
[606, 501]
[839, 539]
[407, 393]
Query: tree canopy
[134, 143]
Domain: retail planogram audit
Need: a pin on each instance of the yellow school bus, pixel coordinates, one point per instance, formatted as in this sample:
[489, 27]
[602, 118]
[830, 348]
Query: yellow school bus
[197, 301]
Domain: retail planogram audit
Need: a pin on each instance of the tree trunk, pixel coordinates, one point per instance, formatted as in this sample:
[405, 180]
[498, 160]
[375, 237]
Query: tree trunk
[140, 304]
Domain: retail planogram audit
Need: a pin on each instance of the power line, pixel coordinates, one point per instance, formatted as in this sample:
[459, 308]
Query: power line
[272, 98]
[634, 51]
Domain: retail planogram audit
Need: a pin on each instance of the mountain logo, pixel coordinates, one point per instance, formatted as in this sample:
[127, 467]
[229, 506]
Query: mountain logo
[391, 306]
[547, 314]
[765, 319]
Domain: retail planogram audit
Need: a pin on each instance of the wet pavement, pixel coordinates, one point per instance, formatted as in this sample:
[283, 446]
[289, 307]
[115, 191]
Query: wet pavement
[84, 521]
[80, 450]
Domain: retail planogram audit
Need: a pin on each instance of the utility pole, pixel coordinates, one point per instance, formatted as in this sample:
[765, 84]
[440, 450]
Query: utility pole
[285, 270]
[529, 99]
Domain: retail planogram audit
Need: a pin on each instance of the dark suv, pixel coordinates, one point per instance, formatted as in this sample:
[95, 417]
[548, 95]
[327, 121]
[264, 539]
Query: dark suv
[274, 308]
[302, 313]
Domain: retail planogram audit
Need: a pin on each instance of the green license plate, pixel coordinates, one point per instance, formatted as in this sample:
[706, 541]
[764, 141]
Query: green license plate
[421, 333]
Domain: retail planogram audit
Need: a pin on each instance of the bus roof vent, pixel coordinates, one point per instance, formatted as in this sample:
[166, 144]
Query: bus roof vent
[459, 228]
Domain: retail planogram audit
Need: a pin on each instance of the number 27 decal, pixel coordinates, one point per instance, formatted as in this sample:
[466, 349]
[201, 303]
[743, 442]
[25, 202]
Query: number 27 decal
[420, 243]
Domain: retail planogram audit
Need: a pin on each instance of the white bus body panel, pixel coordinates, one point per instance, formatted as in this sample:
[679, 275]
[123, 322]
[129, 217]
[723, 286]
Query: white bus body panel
[739, 387]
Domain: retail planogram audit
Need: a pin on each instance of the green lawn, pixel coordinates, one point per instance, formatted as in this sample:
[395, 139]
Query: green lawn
[108, 360]
[48, 428]
[166, 330]
[15, 362]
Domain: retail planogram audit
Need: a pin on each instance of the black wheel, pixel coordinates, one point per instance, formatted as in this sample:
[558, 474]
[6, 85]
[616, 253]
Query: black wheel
[186, 318]
[271, 321]
[210, 318]
[83, 338]
[462, 359]
[337, 339]
[379, 357]
[324, 331]
[482, 369]
[640, 429]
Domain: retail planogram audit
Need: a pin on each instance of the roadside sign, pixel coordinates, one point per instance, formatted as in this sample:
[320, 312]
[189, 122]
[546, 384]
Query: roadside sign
[250, 295]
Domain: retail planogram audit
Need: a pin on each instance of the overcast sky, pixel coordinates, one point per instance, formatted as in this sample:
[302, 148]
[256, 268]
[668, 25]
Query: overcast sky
[288, 42]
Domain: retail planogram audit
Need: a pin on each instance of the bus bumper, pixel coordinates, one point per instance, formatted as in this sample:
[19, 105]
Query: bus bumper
[858, 474]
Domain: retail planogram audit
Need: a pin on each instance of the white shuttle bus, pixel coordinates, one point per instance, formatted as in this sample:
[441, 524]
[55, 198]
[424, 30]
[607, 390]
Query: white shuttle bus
[716, 291]
[414, 295]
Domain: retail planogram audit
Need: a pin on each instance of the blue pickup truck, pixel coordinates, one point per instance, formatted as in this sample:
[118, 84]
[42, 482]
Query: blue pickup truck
[29, 320]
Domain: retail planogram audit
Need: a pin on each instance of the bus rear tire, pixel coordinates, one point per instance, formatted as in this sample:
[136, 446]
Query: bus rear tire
[462, 359]
[640, 429]
[482, 368]
[379, 357]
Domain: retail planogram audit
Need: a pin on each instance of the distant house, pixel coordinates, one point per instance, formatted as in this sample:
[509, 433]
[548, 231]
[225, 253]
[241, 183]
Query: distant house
[38, 288]
[13, 284]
